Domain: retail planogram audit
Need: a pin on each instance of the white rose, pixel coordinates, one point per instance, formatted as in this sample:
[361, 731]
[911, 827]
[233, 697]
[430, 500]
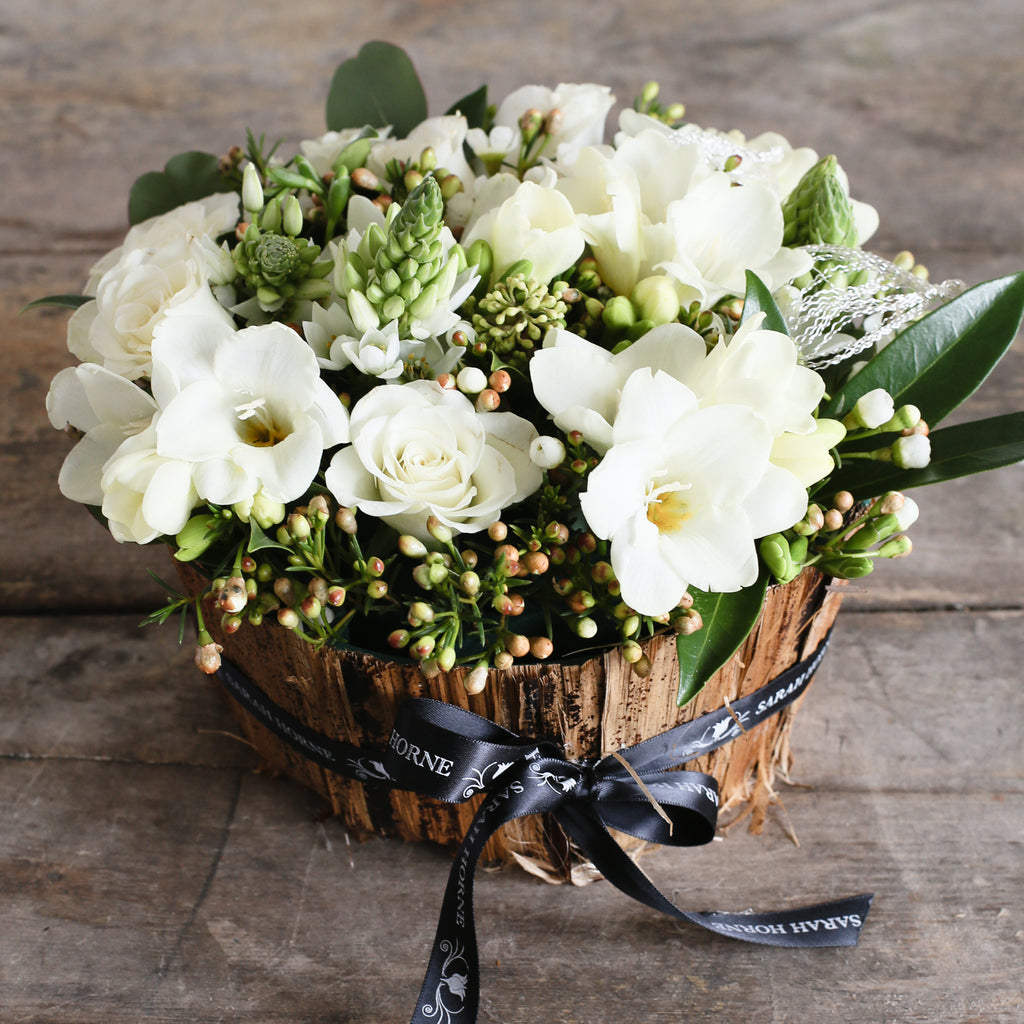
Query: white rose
[210, 217]
[418, 450]
[134, 296]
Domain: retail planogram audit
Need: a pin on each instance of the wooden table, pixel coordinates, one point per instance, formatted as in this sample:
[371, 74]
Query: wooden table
[150, 873]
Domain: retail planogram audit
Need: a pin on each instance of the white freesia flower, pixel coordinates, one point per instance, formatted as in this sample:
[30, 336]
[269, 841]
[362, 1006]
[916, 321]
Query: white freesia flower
[107, 409]
[808, 456]
[248, 408]
[378, 353]
[134, 296]
[209, 217]
[445, 135]
[535, 224]
[419, 450]
[719, 232]
[683, 492]
[145, 494]
[582, 109]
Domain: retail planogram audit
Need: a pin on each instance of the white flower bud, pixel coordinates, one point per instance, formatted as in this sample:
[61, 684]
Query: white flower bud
[546, 451]
[913, 452]
[252, 190]
[655, 298]
[907, 515]
[471, 380]
[873, 409]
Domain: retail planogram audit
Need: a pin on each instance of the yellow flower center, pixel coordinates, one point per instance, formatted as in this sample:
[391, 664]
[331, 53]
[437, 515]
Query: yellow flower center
[257, 427]
[667, 507]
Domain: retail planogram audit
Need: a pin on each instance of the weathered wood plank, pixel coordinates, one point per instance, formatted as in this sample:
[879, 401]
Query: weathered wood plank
[106, 849]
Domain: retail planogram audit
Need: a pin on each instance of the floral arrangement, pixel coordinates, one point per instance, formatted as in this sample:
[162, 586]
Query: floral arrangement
[483, 387]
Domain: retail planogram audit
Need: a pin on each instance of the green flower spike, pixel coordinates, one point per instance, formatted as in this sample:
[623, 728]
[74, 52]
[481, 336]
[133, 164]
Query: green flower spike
[818, 210]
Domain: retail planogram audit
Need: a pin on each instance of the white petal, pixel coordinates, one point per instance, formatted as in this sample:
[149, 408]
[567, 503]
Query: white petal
[777, 502]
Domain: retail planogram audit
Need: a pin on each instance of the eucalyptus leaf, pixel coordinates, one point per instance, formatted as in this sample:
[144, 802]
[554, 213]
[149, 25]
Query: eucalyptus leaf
[185, 178]
[472, 107]
[60, 301]
[939, 361]
[728, 620]
[377, 87]
[962, 450]
[759, 300]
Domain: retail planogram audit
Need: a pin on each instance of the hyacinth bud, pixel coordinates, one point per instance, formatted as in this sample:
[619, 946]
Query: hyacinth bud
[208, 657]
[655, 298]
[912, 452]
[476, 680]
[818, 210]
[871, 411]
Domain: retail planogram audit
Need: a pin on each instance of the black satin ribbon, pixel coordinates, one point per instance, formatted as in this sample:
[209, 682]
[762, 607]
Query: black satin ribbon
[441, 751]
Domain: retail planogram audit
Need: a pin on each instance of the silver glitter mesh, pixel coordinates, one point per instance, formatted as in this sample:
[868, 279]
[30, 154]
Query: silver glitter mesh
[887, 301]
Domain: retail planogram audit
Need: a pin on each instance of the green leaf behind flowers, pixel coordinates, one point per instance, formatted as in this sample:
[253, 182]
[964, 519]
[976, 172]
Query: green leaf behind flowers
[185, 178]
[759, 300]
[939, 361]
[377, 87]
[728, 620]
[957, 451]
[61, 301]
[472, 107]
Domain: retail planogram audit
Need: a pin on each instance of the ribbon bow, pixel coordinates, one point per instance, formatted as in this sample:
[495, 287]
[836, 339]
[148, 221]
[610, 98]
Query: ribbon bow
[441, 751]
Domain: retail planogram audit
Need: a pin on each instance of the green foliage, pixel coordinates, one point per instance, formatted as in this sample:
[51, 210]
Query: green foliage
[472, 107]
[759, 300]
[377, 87]
[939, 361]
[728, 620]
[60, 301]
[185, 178]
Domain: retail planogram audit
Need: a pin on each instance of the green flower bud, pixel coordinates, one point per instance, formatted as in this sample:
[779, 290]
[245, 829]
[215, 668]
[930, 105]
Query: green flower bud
[818, 210]
[776, 555]
[195, 537]
[847, 567]
[252, 190]
[655, 299]
[619, 313]
[898, 547]
[291, 216]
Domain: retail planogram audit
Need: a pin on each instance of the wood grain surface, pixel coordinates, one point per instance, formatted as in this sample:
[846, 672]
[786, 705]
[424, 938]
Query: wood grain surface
[151, 873]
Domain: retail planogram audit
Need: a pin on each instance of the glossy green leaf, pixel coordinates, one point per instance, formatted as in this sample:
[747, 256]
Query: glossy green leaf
[472, 107]
[728, 620]
[377, 87]
[759, 300]
[60, 301]
[939, 361]
[963, 450]
[185, 178]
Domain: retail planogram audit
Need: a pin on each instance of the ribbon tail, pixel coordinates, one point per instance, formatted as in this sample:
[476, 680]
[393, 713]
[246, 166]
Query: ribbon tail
[837, 923]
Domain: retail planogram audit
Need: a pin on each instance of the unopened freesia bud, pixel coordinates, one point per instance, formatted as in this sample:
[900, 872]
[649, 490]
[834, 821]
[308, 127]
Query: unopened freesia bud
[871, 410]
[547, 452]
[912, 452]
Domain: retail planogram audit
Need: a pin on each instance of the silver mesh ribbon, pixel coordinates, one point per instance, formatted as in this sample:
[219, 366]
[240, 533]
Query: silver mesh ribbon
[884, 300]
